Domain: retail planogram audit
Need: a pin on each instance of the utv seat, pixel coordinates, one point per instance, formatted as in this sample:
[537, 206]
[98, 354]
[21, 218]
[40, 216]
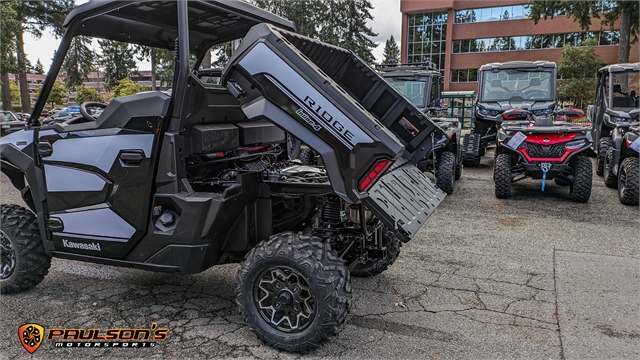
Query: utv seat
[624, 102]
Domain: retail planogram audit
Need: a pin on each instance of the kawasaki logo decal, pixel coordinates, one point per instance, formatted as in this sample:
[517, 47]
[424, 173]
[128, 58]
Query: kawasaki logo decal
[75, 245]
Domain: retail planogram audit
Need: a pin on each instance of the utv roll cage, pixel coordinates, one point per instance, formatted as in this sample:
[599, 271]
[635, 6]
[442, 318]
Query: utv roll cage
[200, 24]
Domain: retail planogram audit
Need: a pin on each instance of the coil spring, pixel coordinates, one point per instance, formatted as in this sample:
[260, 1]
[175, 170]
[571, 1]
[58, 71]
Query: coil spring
[330, 214]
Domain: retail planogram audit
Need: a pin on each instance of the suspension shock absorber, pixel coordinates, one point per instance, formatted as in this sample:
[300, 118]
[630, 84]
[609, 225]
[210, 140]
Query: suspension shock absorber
[330, 217]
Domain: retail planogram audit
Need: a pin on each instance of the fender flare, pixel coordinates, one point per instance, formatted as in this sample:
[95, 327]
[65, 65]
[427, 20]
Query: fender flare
[17, 165]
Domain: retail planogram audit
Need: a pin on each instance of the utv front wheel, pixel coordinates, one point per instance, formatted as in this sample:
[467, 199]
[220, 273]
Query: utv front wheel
[610, 177]
[603, 146]
[378, 266]
[294, 292]
[502, 176]
[580, 190]
[23, 261]
[628, 181]
[446, 172]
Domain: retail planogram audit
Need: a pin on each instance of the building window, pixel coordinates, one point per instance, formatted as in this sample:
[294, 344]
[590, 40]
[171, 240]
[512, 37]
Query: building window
[464, 75]
[510, 12]
[427, 36]
[548, 41]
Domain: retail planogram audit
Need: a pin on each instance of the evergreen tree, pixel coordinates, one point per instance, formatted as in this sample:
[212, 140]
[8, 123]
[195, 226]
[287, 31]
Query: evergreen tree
[337, 22]
[117, 60]
[9, 28]
[38, 69]
[78, 62]
[355, 32]
[36, 17]
[391, 51]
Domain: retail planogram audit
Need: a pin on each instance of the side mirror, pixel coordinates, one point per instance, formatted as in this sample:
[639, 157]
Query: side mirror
[635, 114]
[617, 88]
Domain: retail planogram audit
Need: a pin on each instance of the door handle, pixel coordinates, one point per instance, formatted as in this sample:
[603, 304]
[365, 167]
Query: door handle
[131, 157]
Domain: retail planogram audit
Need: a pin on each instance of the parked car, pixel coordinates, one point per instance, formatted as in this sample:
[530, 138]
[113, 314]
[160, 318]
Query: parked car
[59, 117]
[9, 123]
[22, 116]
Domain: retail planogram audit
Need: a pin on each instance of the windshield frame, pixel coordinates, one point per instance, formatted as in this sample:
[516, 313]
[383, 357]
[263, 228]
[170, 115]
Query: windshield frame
[552, 83]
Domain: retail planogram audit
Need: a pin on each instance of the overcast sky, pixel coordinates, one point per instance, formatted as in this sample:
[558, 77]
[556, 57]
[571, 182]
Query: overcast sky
[386, 13]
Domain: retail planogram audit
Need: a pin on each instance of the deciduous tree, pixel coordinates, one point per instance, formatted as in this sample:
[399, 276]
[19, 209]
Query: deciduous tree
[577, 68]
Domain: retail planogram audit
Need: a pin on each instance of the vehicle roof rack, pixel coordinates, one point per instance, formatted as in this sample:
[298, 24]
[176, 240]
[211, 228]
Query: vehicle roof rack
[425, 65]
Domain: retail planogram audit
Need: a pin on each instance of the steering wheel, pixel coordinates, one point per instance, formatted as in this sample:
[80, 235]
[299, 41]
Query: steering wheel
[534, 94]
[85, 113]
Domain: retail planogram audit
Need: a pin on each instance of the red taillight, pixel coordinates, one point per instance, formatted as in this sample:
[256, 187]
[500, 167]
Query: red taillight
[374, 173]
[509, 117]
[628, 143]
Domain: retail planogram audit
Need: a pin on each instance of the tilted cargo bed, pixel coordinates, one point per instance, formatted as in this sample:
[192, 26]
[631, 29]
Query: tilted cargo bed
[332, 101]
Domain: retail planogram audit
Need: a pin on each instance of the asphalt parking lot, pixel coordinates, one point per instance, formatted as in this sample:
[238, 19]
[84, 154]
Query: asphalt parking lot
[535, 277]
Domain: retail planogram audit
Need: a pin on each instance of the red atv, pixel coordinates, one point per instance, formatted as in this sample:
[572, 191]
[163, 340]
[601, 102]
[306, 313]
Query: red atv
[539, 147]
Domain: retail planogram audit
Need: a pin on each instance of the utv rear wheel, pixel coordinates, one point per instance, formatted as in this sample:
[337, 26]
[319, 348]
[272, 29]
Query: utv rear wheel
[378, 266]
[610, 177]
[307, 156]
[603, 146]
[471, 151]
[23, 263]
[580, 190]
[459, 164]
[628, 181]
[502, 176]
[446, 172]
[294, 292]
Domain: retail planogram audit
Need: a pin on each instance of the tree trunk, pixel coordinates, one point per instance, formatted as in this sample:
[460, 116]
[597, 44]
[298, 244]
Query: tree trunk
[153, 69]
[22, 74]
[6, 93]
[206, 62]
[624, 48]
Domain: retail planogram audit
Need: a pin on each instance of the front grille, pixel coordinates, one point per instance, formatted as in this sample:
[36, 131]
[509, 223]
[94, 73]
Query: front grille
[541, 151]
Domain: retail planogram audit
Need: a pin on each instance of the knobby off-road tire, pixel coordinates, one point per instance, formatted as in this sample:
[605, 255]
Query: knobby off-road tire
[24, 261]
[294, 292]
[580, 190]
[446, 172]
[502, 176]
[459, 164]
[471, 150]
[628, 181]
[603, 146]
[377, 266]
[610, 177]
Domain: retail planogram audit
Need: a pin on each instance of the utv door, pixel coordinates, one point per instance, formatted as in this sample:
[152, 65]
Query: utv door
[99, 177]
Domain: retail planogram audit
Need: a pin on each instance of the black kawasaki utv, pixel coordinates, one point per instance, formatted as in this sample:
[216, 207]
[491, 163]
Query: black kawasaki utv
[617, 93]
[526, 85]
[197, 176]
[537, 147]
[422, 84]
[621, 162]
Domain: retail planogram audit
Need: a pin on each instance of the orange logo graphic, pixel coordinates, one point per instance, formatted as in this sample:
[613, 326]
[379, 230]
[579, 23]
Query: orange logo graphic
[31, 336]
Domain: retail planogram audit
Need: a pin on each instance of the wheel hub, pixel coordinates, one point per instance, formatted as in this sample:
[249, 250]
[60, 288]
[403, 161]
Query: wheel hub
[7, 256]
[284, 299]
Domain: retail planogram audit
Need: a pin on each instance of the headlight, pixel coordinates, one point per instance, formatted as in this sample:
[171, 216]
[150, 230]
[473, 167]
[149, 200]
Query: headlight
[494, 112]
[576, 144]
[541, 112]
[618, 119]
[484, 111]
[6, 126]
